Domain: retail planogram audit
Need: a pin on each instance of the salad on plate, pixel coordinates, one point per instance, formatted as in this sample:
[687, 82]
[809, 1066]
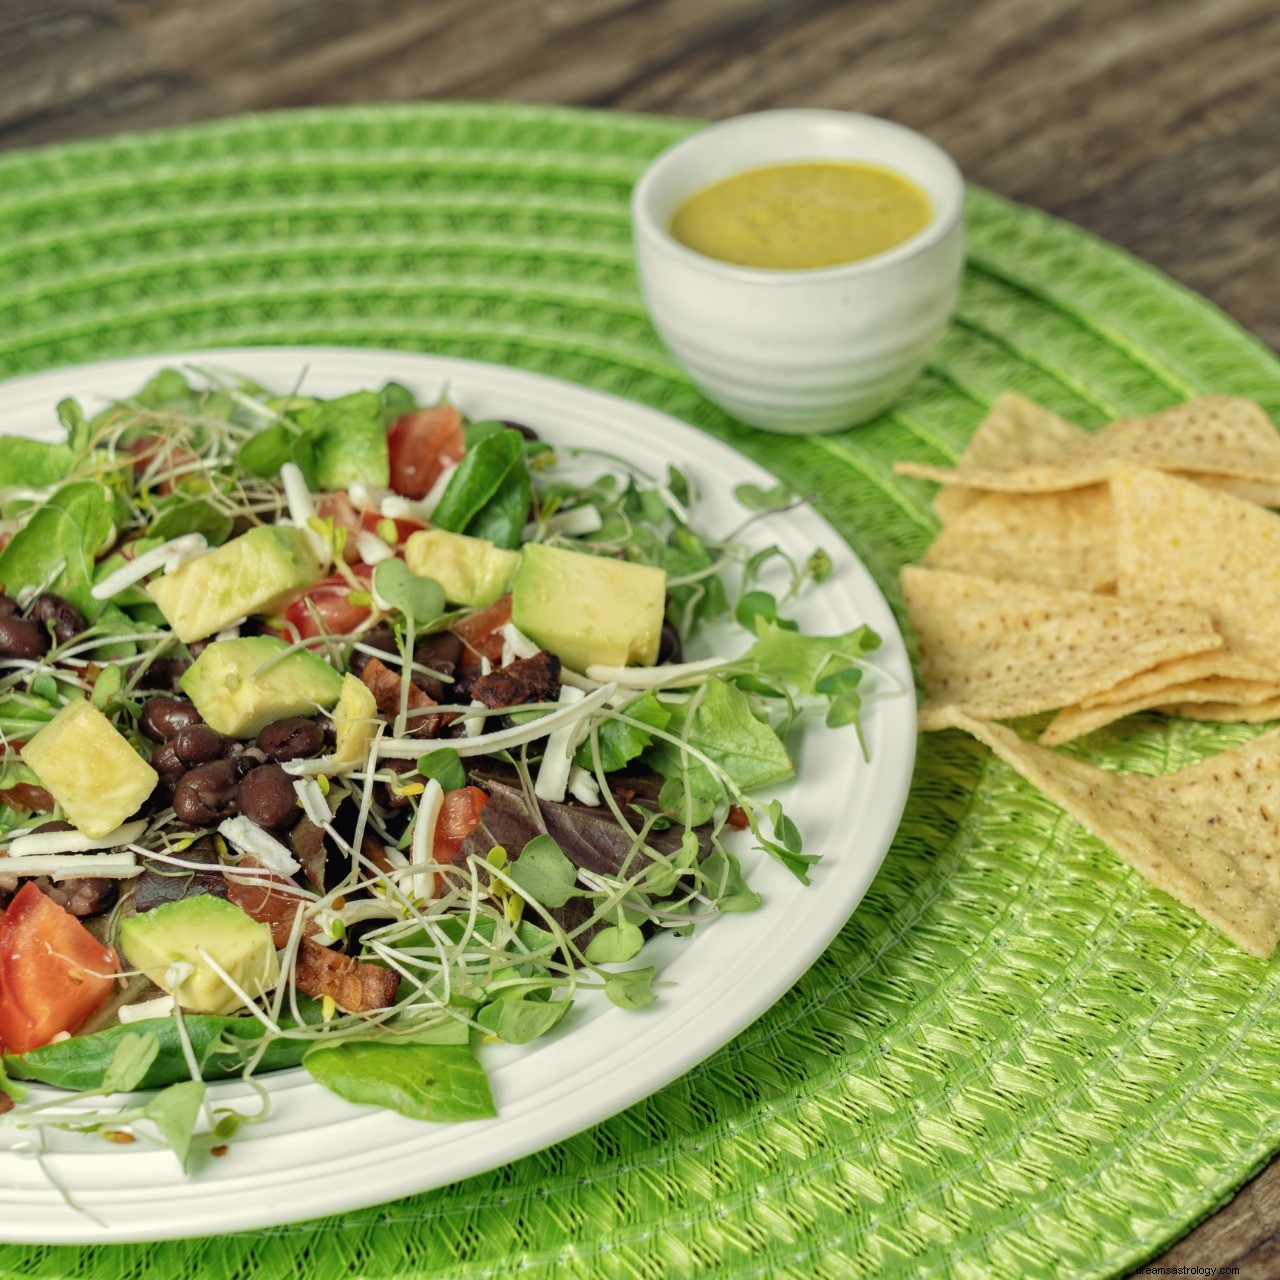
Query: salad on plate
[352, 735]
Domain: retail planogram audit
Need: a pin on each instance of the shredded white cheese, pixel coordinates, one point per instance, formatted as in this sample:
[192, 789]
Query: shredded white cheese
[422, 845]
[372, 549]
[432, 500]
[169, 556]
[571, 524]
[474, 725]
[160, 1007]
[671, 674]
[583, 786]
[247, 837]
[313, 802]
[67, 866]
[302, 510]
[365, 497]
[394, 507]
[515, 640]
[557, 759]
[44, 842]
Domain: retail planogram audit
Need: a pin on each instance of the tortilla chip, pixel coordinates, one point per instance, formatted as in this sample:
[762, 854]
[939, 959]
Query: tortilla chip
[1219, 436]
[1215, 435]
[1002, 649]
[1227, 712]
[1209, 835]
[1061, 540]
[1180, 543]
[1015, 431]
[1263, 493]
[1075, 722]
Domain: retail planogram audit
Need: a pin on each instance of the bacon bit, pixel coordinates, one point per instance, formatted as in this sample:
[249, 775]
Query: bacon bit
[272, 901]
[384, 684]
[220, 1150]
[371, 848]
[355, 986]
[738, 818]
[535, 679]
[119, 1136]
[6, 1103]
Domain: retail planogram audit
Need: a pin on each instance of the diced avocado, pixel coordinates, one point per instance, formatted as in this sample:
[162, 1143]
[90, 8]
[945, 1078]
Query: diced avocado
[472, 571]
[355, 722]
[238, 698]
[166, 944]
[254, 573]
[90, 768]
[589, 609]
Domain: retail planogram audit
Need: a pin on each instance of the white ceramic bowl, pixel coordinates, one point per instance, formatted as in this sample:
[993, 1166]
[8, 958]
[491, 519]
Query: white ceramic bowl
[812, 350]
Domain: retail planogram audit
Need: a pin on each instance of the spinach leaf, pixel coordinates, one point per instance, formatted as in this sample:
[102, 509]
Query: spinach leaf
[62, 538]
[445, 766]
[421, 1081]
[503, 517]
[521, 1019]
[15, 1090]
[194, 516]
[724, 729]
[131, 1061]
[33, 464]
[478, 478]
[396, 400]
[266, 452]
[82, 1062]
[620, 743]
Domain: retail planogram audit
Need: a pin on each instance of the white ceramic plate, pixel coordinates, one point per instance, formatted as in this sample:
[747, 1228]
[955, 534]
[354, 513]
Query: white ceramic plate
[601, 1059]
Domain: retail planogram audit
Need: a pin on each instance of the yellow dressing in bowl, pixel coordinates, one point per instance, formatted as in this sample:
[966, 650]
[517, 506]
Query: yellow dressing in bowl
[789, 217]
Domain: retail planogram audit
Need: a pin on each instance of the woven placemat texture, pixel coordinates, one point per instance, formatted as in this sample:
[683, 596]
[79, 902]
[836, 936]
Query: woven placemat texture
[1017, 1059]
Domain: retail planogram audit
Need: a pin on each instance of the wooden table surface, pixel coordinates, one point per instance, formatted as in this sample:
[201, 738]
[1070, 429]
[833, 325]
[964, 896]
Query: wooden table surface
[1154, 124]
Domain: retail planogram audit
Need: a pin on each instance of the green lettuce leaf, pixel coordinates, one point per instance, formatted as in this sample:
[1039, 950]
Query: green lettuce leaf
[800, 661]
[726, 730]
[620, 743]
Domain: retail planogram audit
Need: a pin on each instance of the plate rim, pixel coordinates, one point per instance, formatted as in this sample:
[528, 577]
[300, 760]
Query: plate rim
[891, 795]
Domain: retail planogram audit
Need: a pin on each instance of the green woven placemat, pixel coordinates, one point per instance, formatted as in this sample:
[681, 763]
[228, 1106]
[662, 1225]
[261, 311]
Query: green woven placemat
[1017, 1059]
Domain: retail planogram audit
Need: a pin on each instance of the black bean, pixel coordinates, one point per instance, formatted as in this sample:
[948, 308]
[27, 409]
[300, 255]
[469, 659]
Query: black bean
[8, 606]
[164, 673]
[245, 758]
[54, 824]
[206, 794]
[22, 639]
[164, 759]
[292, 739]
[528, 432]
[162, 718]
[670, 646]
[61, 616]
[441, 652]
[381, 638]
[198, 744]
[266, 796]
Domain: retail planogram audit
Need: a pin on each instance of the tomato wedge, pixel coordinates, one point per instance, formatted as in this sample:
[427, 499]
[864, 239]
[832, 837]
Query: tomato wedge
[421, 445]
[53, 972]
[482, 631]
[328, 607]
[338, 508]
[459, 817]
